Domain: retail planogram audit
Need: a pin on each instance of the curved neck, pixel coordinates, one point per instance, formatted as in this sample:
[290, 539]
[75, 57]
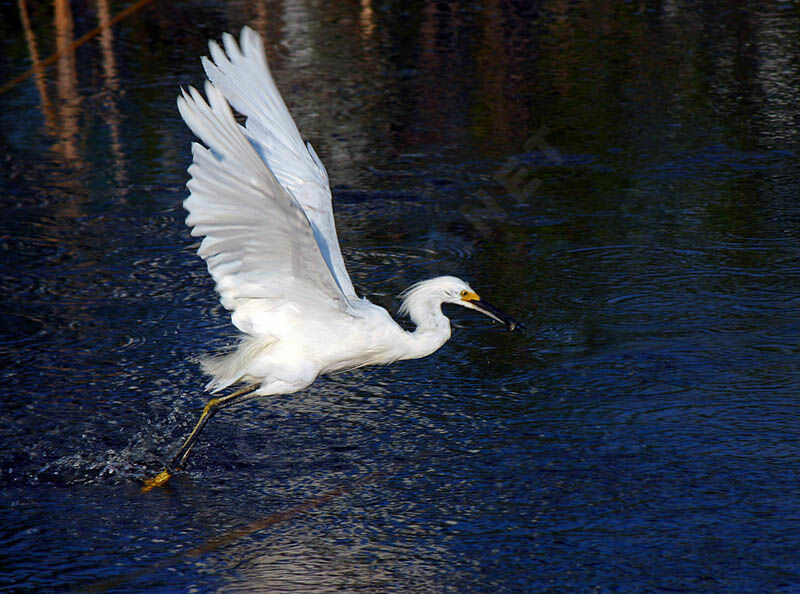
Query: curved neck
[433, 330]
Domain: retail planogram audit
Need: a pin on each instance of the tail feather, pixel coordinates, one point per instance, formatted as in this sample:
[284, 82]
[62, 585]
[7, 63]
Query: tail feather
[231, 367]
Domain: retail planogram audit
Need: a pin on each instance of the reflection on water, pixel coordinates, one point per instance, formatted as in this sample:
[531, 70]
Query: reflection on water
[642, 435]
[39, 71]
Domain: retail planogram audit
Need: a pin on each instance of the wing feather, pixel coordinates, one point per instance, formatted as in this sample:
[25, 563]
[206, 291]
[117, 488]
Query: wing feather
[242, 74]
[258, 242]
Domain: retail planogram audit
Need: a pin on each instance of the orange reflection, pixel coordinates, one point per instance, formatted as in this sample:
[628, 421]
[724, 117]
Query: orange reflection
[366, 19]
[68, 106]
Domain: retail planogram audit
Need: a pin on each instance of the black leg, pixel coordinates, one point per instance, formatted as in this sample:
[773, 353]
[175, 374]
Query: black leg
[212, 407]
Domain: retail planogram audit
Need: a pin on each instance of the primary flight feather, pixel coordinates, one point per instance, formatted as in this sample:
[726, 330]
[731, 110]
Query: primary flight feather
[260, 198]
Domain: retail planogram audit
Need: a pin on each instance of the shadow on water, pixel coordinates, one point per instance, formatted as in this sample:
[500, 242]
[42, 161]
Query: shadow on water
[621, 177]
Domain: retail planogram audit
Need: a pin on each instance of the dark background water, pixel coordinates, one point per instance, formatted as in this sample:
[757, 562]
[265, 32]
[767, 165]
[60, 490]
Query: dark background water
[623, 176]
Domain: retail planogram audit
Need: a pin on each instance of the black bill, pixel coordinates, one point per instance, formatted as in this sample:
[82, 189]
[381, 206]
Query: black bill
[490, 310]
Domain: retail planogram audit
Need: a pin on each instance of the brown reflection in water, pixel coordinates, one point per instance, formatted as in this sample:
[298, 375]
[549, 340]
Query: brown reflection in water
[494, 64]
[471, 76]
[63, 120]
[263, 16]
[68, 106]
[38, 67]
[75, 284]
[261, 20]
[437, 57]
[111, 89]
[366, 20]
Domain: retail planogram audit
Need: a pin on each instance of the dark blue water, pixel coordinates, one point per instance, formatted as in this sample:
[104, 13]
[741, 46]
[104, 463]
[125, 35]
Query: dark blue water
[623, 177]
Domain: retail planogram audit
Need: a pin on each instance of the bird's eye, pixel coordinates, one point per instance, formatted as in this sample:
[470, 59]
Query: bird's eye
[464, 293]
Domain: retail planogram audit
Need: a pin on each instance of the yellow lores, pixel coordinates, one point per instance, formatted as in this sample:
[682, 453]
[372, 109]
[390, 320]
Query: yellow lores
[260, 198]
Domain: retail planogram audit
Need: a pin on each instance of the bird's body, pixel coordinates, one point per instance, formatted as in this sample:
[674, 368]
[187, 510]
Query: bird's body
[260, 198]
[286, 348]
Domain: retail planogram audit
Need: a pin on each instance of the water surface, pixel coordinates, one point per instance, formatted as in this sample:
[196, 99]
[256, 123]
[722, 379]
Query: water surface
[623, 177]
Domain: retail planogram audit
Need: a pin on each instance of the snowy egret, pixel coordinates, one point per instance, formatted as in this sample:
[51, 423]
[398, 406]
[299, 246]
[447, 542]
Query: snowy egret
[261, 199]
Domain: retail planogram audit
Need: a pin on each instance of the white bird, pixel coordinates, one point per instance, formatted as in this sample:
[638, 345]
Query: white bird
[261, 199]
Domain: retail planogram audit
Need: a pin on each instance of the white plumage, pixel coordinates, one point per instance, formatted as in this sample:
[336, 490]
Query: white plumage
[260, 198]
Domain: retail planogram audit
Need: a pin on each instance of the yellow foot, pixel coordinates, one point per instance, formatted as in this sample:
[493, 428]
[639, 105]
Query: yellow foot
[156, 481]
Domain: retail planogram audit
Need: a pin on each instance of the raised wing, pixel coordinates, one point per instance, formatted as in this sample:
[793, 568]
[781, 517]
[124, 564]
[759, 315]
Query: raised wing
[259, 243]
[244, 78]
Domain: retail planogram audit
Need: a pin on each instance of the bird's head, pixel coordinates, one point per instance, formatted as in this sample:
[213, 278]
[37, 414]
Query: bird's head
[430, 294]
